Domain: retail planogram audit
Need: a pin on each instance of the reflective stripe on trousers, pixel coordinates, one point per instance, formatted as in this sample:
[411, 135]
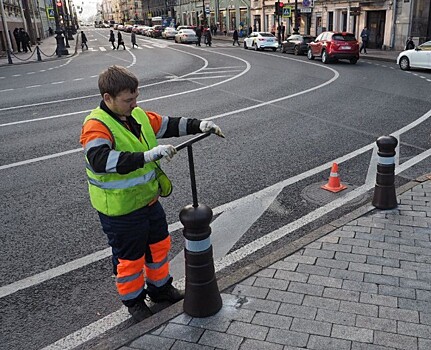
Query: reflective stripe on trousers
[139, 239]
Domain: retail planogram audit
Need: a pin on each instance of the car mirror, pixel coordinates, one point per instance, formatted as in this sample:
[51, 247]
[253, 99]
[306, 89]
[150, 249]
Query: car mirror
[417, 48]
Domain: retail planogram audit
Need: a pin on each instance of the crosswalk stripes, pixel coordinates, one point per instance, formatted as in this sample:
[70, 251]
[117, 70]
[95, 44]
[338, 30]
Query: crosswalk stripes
[150, 45]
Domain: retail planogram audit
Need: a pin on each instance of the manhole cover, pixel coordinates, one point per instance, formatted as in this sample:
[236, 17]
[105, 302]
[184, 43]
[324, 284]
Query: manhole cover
[315, 194]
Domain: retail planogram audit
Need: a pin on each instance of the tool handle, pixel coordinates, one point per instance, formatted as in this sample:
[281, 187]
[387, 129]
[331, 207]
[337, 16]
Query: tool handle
[192, 141]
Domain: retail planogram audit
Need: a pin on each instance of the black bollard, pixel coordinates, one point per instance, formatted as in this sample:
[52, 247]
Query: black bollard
[39, 58]
[202, 297]
[384, 190]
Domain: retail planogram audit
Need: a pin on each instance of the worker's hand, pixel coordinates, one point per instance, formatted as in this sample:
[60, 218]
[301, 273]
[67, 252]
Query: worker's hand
[209, 126]
[156, 153]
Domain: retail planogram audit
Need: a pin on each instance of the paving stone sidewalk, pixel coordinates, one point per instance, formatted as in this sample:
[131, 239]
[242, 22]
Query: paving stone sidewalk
[364, 286]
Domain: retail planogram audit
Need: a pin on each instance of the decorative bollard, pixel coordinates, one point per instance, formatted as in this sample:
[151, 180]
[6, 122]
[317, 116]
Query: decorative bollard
[384, 190]
[202, 297]
[39, 58]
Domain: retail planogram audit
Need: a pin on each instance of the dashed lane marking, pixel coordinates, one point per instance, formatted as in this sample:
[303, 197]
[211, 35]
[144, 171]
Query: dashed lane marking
[32, 86]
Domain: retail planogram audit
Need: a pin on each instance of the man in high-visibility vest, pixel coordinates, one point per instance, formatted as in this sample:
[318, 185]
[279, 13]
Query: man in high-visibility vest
[125, 181]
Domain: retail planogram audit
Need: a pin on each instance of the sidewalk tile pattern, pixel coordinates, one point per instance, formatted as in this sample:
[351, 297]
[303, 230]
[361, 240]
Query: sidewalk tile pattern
[365, 286]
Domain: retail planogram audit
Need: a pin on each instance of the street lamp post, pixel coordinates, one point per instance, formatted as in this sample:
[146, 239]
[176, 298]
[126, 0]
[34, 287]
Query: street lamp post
[61, 50]
[296, 29]
[6, 31]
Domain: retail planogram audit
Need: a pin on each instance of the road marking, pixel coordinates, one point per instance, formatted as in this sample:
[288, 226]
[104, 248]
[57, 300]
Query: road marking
[32, 86]
[101, 48]
[148, 46]
[77, 79]
[57, 82]
[16, 75]
[6, 90]
[31, 72]
[210, 77]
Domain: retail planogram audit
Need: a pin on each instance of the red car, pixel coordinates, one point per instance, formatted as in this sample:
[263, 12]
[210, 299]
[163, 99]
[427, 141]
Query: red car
[334, 46]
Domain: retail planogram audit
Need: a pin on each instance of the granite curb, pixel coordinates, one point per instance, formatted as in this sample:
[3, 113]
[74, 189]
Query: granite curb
[127, 336]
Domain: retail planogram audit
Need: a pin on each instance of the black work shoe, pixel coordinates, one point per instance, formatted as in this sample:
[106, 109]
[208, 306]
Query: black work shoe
[165, 293]
[140, 311]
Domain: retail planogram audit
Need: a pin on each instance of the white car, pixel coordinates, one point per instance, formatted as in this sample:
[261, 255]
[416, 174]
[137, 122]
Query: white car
[261, 41]
[186, 36]
[169, 33]
[419, 57]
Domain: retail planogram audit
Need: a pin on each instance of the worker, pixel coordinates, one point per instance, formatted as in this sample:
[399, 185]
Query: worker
[125, 181]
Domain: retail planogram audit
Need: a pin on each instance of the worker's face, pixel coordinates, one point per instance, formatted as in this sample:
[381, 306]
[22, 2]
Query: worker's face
[123, 104]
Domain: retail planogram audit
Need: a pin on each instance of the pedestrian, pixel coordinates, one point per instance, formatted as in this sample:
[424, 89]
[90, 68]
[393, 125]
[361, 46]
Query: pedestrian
[365, 35]
[17, 37]
[250, 30]
[125, 180]
[208, 37]
[25, 40]
[83, 41]
[133, 38]
[112, 39]
[235, 37]
[410, 45]
[50, 31]
[199, 35]
[120, 40]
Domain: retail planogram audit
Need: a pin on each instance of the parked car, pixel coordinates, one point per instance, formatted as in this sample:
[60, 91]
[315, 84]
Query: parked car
[186, 27]
[334, 46]
[297, 44]
[157, 31]
[261, 41]
[186, 36]
[169, 33]
[419, 57]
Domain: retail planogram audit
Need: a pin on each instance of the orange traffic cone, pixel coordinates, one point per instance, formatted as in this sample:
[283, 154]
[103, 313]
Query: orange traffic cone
[334, 184]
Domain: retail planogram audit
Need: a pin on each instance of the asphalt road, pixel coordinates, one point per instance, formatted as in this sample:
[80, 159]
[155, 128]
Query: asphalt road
[286, 119]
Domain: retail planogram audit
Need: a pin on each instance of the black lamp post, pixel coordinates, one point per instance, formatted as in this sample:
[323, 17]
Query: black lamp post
[61, 49]
[296, 28]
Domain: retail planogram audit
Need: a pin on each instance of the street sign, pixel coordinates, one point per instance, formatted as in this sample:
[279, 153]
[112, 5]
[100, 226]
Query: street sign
[50, 12]
[287, 11]
[207, 9]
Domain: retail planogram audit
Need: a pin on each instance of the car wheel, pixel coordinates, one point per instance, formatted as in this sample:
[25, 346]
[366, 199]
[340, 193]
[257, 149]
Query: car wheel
[353, 60]
[325, 58]
[273, 49]
[404, 63]
[310, 55]
[245, 45]
[296, 50]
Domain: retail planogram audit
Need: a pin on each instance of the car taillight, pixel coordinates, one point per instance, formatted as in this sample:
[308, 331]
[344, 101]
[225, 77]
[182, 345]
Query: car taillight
[261, 39]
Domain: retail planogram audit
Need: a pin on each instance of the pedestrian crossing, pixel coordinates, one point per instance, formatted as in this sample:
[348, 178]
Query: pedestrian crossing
[149, 45]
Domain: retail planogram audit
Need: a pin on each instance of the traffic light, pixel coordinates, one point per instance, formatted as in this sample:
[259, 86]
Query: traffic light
[279, 8]
[59, 4]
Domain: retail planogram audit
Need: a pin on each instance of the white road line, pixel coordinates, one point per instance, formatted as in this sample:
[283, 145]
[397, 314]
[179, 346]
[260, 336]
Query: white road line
[148, 46]
[57, 82]
[31, 73]
[77, 79]
[6, 90]
[32, 86]
[209, 77]
[101, 48]
[16, 75]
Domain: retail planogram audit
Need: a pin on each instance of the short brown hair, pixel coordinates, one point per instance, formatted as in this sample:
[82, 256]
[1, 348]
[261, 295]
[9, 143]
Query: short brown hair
[116, 79]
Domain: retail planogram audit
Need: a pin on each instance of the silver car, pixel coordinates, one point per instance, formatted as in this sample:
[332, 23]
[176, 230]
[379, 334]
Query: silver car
[186, 36]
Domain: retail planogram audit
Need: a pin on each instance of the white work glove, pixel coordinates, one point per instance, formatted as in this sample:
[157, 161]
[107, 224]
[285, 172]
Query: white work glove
[209, 126]
[159, 152]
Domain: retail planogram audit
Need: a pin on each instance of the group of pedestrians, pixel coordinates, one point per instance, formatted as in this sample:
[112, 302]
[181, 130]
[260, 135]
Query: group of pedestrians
[22, 40]
[120, 40]
[206, 32]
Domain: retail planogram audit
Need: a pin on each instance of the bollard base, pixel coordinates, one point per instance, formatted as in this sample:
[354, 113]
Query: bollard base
[385, 197]
[202, 300]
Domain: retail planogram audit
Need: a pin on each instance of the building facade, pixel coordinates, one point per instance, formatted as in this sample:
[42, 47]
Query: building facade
[36, 17]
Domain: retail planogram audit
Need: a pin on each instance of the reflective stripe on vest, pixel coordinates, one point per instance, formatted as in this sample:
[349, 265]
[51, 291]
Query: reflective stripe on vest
[116, 194]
